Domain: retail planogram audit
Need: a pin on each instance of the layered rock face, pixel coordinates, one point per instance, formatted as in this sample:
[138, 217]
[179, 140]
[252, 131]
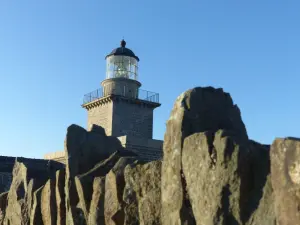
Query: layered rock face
[211, 174]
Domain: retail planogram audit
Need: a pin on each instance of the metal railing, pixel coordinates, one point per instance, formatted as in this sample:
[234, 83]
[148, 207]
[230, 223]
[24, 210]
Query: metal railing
[142, 95]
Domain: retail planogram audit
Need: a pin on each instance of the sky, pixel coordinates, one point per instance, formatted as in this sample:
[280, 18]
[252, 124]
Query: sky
[52, 53]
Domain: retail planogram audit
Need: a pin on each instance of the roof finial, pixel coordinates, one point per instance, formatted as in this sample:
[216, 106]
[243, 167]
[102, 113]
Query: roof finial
[123, 43]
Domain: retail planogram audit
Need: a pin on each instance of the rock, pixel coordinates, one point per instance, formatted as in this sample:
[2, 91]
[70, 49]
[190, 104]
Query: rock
[36, 216]
[84, 150]
[15, 207]
[83, 186]
[258, 207]
[97, 129]
[212, 170]
[142, 193]
[32, 186]
[285, 176]
[48, 203]
[60, 197]
[197, 110]
[3, 205]
[114, 187]
[18, 209]
[264, 214]
[96, 214]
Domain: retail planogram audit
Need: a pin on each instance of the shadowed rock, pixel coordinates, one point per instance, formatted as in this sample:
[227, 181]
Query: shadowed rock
[96, 214]
[48, 203]
[36, 216]
[60, 197]
[18, 209]
[114, 187]
[83, 151]
[3, 205]
[285, 176]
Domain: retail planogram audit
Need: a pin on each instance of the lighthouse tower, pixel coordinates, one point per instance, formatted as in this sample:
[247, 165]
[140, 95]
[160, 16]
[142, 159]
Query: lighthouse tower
[122, 108]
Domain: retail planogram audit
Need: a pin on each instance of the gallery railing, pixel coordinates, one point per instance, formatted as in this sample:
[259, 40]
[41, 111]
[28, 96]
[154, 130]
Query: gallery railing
[142, 95]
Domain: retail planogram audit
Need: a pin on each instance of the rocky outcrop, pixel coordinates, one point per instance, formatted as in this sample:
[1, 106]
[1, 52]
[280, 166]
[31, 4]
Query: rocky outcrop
[285, 168]
[213, 168]
[26, 180]
[142, 194]
[211, 174]
[3, 205]
[89, 155]
[197, 110]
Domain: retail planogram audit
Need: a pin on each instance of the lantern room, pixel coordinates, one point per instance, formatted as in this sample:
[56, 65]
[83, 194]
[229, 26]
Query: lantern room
[122, 63]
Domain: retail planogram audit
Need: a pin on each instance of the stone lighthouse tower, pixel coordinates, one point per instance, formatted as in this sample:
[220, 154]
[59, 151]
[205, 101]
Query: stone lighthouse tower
[122, 108]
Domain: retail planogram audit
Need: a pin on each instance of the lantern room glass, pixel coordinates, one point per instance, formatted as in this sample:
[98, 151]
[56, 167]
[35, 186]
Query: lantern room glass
[121, 66]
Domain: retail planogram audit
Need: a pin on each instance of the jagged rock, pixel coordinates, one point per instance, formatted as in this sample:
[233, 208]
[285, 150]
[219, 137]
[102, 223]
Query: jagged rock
[285, 176]
[264, 214]
[48, 203]
[214, 170]
[26, 180]
[83, 150]
[36, 216]
[60, 197]
[15, 207]
[20, 194]
[32, 186]
[3, 205]
[114, 187]
[258, 207]
[96, 214]
[84, 182]
[142, 194]
[197, 110]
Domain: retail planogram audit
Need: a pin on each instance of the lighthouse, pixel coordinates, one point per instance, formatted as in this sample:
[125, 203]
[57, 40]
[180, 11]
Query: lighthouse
[122, 108]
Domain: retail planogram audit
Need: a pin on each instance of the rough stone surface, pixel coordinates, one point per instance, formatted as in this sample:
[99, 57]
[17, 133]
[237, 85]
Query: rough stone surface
[213, 170]
[197, 110]
[38, 166]
[16, 212]
[114, 186]
[20, 194]
[3, 204]
[48, 203]
[36, 215]
[60, 197]
[96, 214]
[285, 170]
[258, 207]
[83, 150]
[142, 193]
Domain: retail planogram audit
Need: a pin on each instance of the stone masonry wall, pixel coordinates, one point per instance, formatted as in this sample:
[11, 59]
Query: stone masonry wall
[146, 149]
[102, 116]
[58, 156]
[132, 119]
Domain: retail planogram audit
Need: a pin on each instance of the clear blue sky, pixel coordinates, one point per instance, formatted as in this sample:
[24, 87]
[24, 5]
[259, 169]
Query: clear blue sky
[52, 53]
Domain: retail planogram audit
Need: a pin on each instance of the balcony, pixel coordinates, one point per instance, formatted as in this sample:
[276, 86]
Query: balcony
[140, 95]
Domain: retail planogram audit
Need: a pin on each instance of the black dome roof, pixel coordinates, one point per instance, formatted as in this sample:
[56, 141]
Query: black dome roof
[123, 51]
